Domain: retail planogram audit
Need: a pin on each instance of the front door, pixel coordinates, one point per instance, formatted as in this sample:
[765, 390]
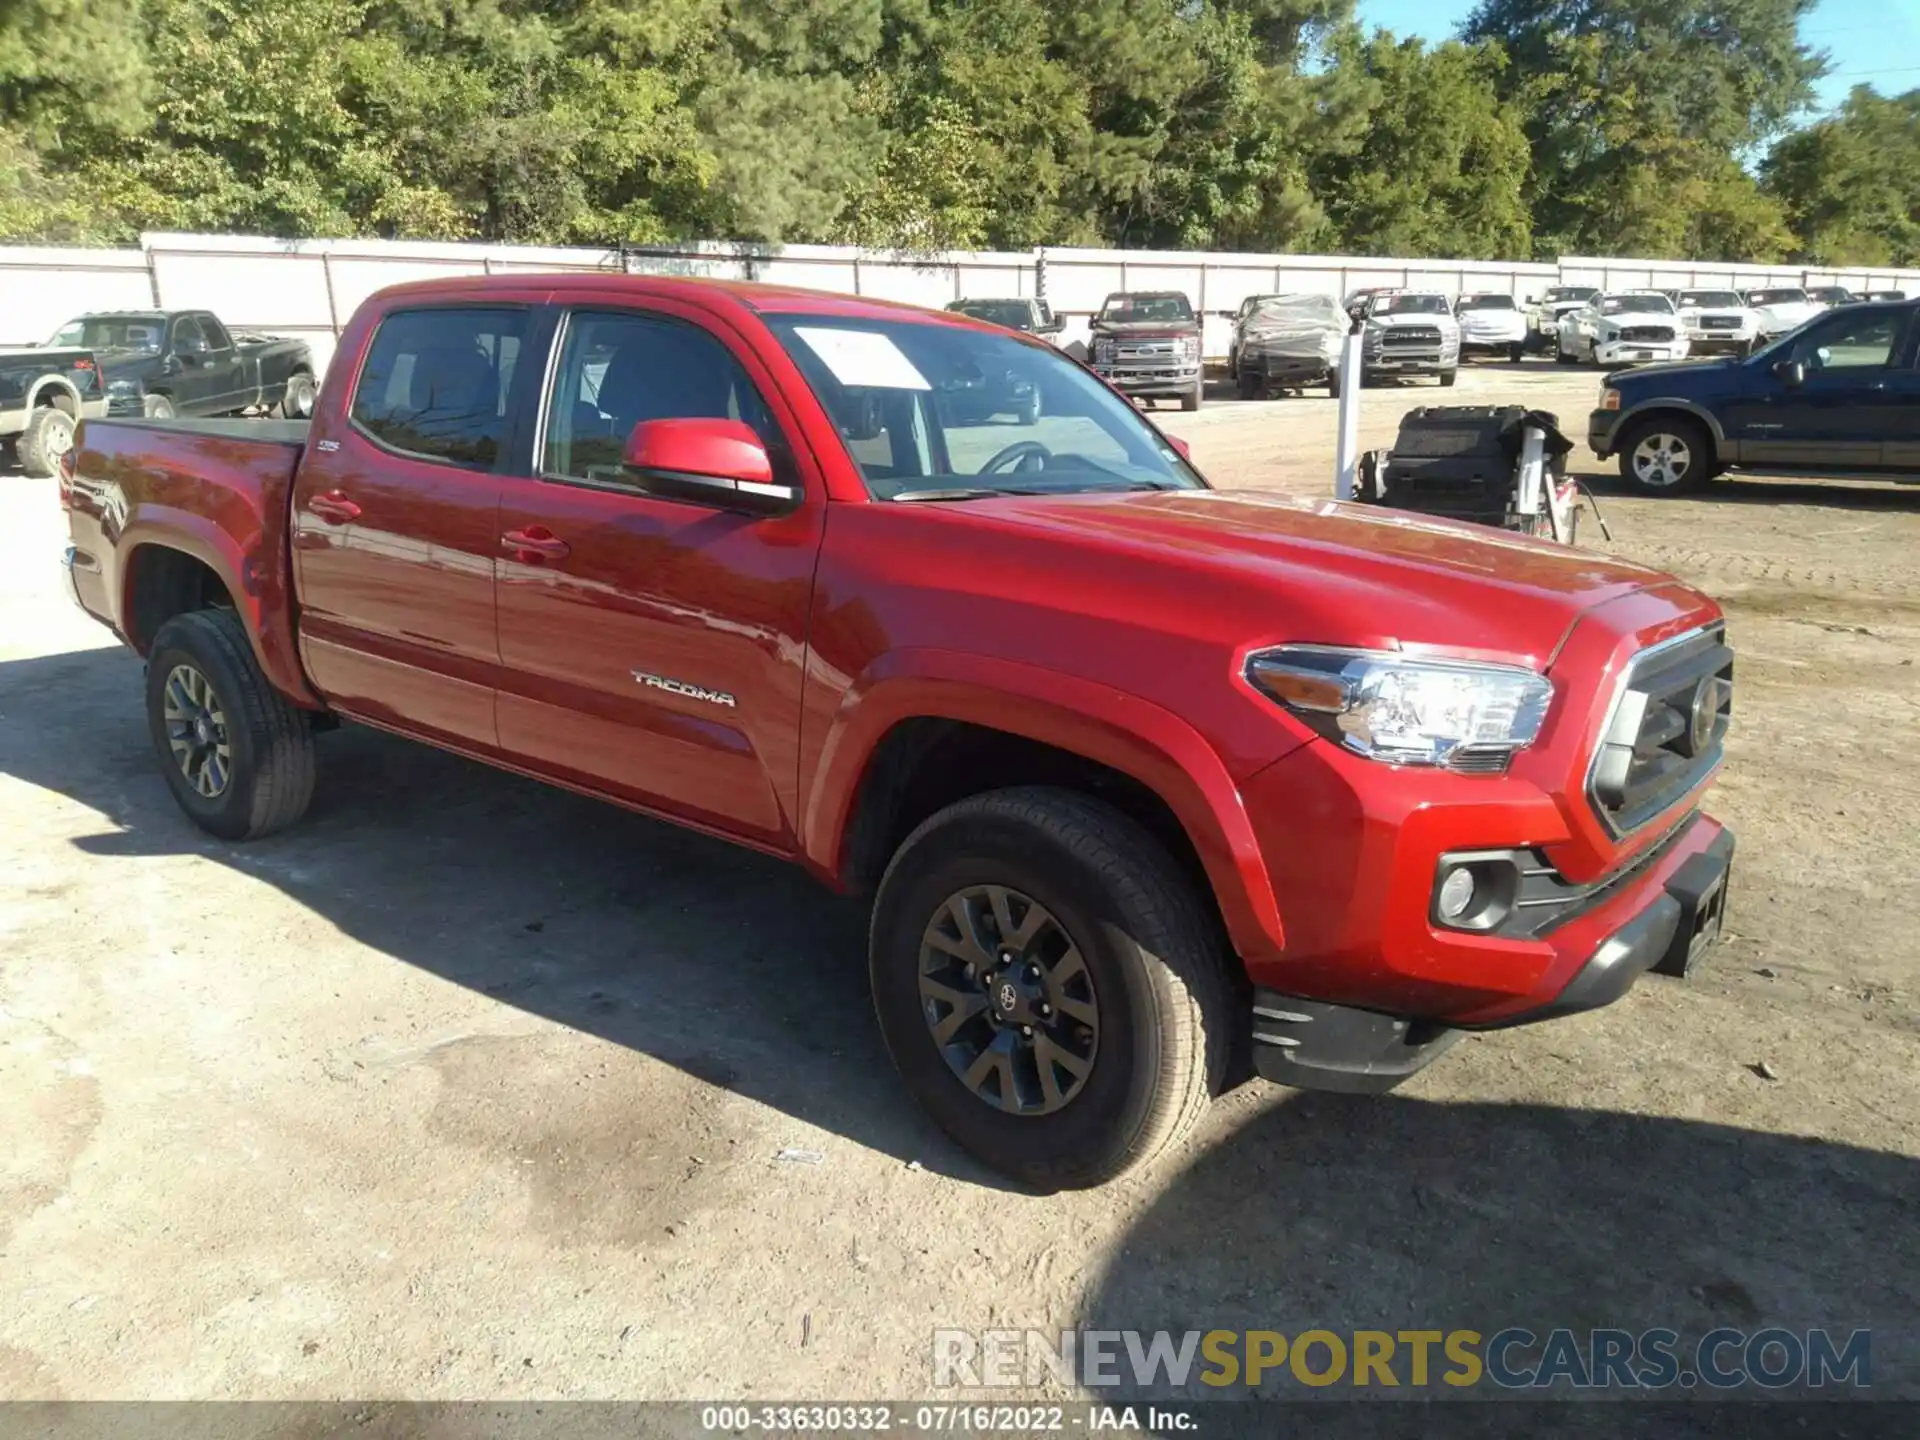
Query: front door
[395, 528]
[653, 648]
[1843, 413]
[195, 379]
[223, 369]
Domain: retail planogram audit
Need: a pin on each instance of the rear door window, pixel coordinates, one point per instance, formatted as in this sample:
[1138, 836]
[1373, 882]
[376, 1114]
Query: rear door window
[436, 382]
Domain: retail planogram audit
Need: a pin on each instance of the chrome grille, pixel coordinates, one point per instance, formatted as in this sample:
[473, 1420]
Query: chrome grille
[1412, 335]
[1719, 322]
[1666, 730]
[1647, 334]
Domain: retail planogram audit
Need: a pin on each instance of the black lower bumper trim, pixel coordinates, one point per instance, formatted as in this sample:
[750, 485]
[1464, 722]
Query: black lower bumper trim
[1312, 1045]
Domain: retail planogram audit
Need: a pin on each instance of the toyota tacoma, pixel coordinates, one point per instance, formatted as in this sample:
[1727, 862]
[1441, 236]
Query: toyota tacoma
[1153, 786]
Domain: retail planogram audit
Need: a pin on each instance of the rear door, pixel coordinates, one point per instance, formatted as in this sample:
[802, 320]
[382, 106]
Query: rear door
[395, 512]
[225, 367]
[656, 650]
[1846, 412]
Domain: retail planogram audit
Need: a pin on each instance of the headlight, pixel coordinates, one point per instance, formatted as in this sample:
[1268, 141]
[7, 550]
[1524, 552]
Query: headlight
[1404, 711]
[1609, 399]
[1608, 334]
[123, 389]
[1103, 350]
[1190, 347]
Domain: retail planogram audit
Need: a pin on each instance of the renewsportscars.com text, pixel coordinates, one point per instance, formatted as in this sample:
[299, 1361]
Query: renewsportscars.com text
[1511, 1359]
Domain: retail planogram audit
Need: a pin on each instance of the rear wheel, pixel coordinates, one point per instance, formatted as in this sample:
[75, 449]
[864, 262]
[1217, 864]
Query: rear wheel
[46, 441]
[1663, 456]
[157, 407]
[237, 756]
[1049, 985]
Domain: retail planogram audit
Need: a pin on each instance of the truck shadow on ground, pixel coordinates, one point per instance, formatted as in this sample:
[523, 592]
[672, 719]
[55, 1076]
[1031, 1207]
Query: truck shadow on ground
[1392, 1213]
[736, 968]
[1889, 495]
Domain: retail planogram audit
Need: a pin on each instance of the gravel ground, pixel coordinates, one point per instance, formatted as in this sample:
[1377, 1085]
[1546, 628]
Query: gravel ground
[467, 1088]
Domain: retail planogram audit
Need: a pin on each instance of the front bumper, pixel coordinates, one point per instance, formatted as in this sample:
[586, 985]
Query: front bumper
[1634, 352]
[1132, 380]
[1601, 425]
[1401, 362]
[1663, 919]
[1305, 367]
[1720, 342]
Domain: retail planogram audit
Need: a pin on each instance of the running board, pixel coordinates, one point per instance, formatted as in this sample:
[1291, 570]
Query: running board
[1788, 472]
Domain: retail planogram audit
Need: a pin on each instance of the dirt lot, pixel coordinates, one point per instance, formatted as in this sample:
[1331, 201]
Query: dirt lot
[467, 1088]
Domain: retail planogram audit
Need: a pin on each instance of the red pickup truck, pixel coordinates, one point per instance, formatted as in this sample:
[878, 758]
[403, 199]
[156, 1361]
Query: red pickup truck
[1154, 786]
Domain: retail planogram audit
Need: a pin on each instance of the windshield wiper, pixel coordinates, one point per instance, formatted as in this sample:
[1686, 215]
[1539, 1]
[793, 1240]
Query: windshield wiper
[957, 493]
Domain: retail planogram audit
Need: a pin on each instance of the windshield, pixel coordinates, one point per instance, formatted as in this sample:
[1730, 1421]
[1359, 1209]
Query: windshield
[944, 412]
[1832, 295]
[1298, 310]
[1778, 297]
[1412, 305]
[1704, 299]
[1486, 302]
[1570, 292]
[1635, 305]
[1132, 309]
[1014, 314]
[113, 332]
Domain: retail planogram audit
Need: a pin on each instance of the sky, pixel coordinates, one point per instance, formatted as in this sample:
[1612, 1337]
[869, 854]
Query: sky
[1873, 42]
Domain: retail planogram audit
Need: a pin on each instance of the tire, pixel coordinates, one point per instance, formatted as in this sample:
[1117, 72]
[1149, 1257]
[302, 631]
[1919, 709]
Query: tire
[1447, 377]
[46, 441]
[296, 403]
[1516, 352]
[1151, 975]
[1333, 385]
[158, 407]
[1249, 385]
[1191, 400]
[1666, 456]
[1561, 354]
[255, 747]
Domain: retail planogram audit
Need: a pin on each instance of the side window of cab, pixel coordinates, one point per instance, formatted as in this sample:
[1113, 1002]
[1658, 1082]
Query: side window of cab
[1862, 341]
[435, 384]
[619, 368]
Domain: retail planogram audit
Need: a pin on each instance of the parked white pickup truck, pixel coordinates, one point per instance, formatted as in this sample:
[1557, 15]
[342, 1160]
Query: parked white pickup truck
[1718, 322]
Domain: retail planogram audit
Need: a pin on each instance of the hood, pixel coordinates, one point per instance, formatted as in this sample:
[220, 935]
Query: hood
[1679, 376]
[1145, 329]
[44, 355]
[1640, 317]
[1340, 574]
[1794, 310]
[1395, 319]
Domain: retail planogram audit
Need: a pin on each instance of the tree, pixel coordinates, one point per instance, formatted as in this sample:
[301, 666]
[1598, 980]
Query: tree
[1850, 185]
[1442, 166]
[1636, 106]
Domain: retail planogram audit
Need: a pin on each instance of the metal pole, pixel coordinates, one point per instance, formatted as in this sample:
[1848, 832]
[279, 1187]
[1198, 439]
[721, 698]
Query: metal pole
[1533, 468]
[1347, 454]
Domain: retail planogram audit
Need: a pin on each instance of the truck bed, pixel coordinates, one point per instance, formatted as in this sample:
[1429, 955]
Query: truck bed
[217, 491]
[272, 432]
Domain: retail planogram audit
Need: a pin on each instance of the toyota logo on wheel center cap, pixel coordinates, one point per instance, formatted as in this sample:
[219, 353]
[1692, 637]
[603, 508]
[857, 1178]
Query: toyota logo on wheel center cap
[1007, 997]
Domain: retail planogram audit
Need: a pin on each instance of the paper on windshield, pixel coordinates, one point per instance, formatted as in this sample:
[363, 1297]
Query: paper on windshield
[862, 358]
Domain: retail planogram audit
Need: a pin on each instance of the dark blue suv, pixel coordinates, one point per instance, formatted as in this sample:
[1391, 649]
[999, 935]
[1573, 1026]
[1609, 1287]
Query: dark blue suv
[1838, 396]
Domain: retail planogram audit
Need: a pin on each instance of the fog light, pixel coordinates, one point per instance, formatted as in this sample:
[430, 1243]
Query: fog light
[1456, 894]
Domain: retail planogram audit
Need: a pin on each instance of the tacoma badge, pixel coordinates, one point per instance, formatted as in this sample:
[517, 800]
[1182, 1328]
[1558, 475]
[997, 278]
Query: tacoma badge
[681, 687]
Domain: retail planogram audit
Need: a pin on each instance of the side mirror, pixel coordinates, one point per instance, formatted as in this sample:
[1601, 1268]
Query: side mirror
[1790, 372]
[1186, 450]
[721, 463]
[1053, 325]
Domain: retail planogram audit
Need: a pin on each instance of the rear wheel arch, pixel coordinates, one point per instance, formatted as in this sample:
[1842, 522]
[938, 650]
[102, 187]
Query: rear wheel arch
[161, 581]
[57, 394]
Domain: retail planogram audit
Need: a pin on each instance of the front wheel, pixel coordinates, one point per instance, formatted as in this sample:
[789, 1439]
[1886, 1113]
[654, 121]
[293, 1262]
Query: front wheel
[1447, 377]
[1516, 352]
[237, 755]
[1249, 385]
[1666, 456]
[296, 402]
[1561, 354]
[1333, 385]
[157, 407]
[1049, 985]
[1191, 400]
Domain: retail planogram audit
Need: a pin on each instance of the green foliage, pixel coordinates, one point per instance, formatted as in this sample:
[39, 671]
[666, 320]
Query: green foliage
[1850, 185]
[1601, 125]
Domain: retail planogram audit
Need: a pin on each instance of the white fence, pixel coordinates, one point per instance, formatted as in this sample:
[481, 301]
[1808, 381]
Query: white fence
[309, 288]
